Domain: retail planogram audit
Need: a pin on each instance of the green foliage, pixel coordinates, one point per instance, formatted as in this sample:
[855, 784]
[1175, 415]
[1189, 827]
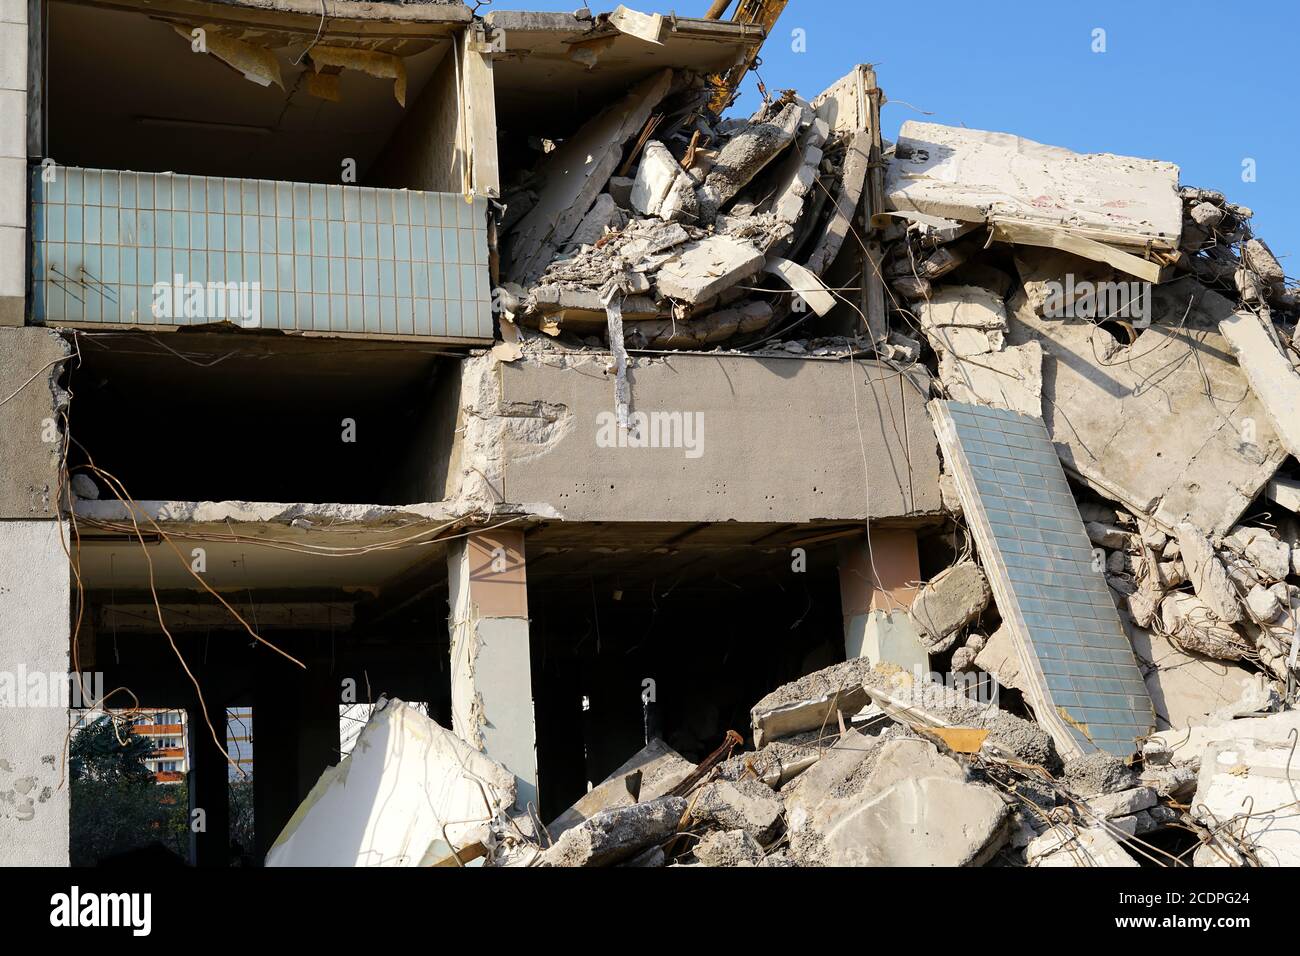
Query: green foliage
[116, 803]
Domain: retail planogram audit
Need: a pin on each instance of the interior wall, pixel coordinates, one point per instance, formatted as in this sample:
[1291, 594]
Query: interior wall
[423, 151]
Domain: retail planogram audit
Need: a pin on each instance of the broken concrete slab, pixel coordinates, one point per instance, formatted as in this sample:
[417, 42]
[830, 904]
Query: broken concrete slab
[811, 702]
[1270, 557]
[1188, 745]
[805, 285]
[662, 188]
[920, 821]
[963, 320]
[661, 768]
[410, 793]
[744, 156]
[999, 657]
[1196, 629]
[1248, 781]
[976, 176]
[1064, 846]
[1010, 379]
[947, 603]
[1108, 806]
[612, 836]
[700, 270]
[1174, 452]
[1207, 574]
[1049, 592]
[1272, 378]
[746, 804]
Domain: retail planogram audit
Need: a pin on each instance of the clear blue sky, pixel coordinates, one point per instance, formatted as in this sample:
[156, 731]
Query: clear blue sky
[1198, 83]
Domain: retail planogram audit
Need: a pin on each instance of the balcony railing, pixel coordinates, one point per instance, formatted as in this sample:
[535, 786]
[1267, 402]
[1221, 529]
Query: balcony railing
[163, 250]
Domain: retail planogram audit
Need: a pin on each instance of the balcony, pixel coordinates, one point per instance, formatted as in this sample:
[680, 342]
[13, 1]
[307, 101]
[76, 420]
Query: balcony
[158, 250]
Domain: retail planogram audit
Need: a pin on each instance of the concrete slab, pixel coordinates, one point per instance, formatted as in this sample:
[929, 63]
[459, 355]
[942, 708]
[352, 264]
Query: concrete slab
[975, 175]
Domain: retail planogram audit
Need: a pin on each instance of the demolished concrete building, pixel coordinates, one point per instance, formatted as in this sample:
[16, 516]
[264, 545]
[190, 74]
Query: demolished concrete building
[728, 490]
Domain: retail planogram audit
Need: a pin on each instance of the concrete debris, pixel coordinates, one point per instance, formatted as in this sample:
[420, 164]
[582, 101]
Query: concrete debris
[811, 702]
[1098, 773]
[658, 767]
[1077, 847]
[409, 794]
[612, 836]
[745, 804]
[1255, 774]
[728, 848]
[949, 602]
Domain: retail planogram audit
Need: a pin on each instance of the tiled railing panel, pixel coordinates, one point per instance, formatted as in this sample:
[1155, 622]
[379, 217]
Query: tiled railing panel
[159, 249]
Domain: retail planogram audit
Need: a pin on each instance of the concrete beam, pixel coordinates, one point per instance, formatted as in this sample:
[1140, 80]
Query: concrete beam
[720, 438]
[491, 662]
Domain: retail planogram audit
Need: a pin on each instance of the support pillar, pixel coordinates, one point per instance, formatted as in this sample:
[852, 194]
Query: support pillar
[491, 663]
[208, 780]
[34, 638]
[879, 575]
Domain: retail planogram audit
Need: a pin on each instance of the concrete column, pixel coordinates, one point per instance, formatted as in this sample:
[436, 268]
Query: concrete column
[208, 780]
[34, 640]
[491, 665]
[879, 573]
[13, 160]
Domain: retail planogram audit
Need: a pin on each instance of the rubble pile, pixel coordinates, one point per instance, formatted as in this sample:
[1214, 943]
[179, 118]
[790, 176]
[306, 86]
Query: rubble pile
[684, 231]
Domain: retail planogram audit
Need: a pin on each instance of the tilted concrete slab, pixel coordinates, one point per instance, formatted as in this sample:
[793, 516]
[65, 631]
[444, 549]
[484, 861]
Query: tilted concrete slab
[718, 438]
[1167, 425]
[1076, 662]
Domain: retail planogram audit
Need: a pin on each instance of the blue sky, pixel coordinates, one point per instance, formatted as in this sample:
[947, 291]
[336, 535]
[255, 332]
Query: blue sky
[1205, 85]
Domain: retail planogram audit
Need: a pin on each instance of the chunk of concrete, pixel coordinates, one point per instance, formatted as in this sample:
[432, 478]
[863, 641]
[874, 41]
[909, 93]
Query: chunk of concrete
[1195, 628]
[811, 702]
[1269, 555]
[1260, 258]
[613, 836]
[1207, 574]
[1185, 688]
[410, 793]
[1098, 773]
[1070, 847]
[603, 216]
[1272, 379]
[963, 320]
[1189, 745]
[728, 848]
[998, 656]
[702, 269]
[661, 769]
[920, 821]
[1107, 806]
[806, 286]
[947, 603]
[1011, 378]
[745, 154]
[1263, 604]
[745, 804]
[662, 188]
[1249, 781]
